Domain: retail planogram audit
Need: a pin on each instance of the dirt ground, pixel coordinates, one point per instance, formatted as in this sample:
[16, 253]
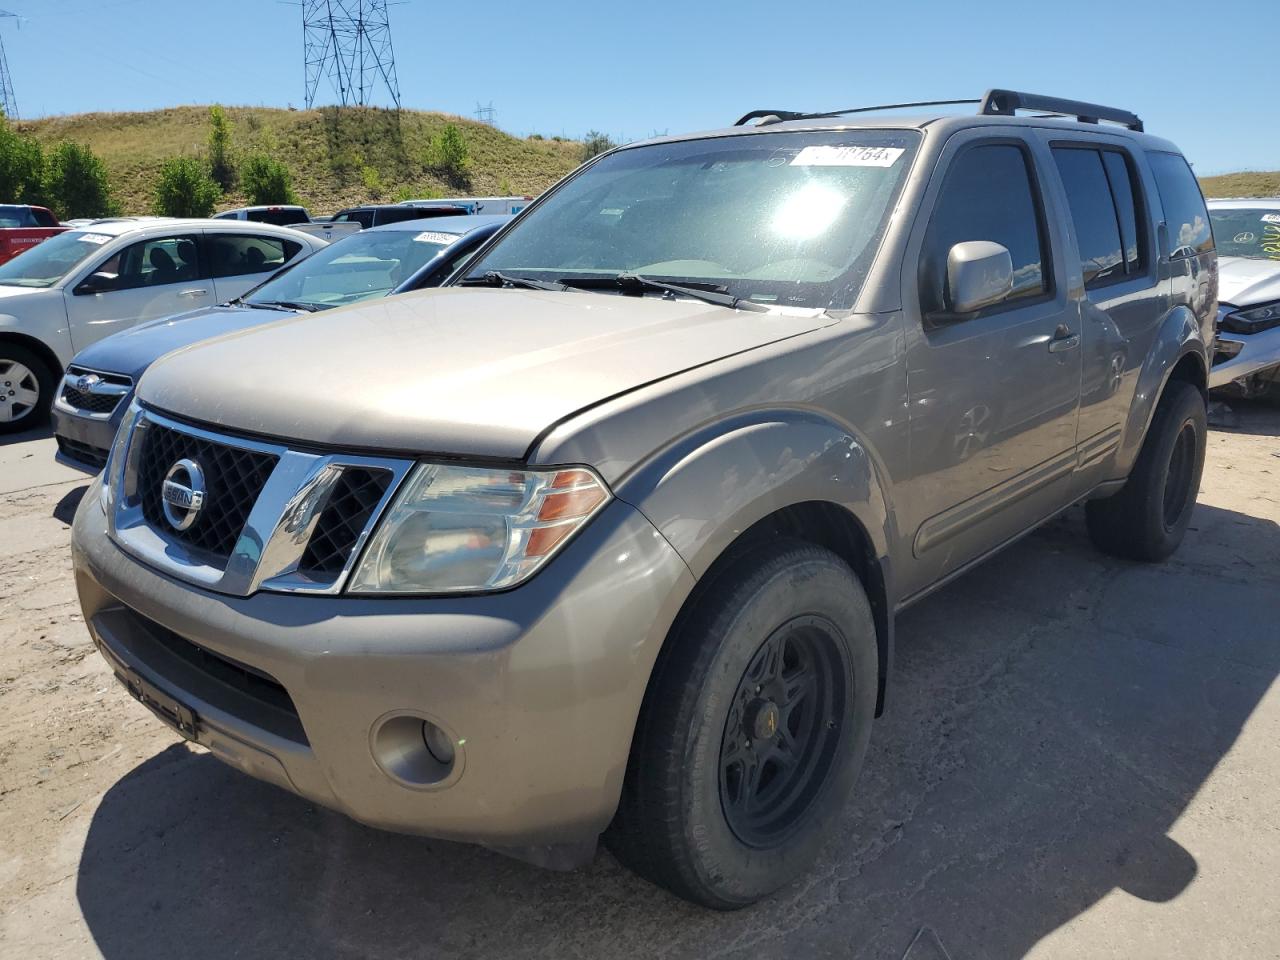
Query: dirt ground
[1079, 761]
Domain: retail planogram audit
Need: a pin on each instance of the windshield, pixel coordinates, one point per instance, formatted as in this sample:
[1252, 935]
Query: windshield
[358, 267]
[1253, 232]
[791, 219]
[45, 264]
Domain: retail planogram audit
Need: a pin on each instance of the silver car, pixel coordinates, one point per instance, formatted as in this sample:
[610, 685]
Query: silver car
[1246, 356]
[608, 535]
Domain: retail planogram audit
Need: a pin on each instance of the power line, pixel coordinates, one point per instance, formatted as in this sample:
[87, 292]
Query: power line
[485, 113]
[349, 42]
[8, 100]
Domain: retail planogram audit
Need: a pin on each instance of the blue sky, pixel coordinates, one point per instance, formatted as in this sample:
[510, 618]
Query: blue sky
[1199, 73]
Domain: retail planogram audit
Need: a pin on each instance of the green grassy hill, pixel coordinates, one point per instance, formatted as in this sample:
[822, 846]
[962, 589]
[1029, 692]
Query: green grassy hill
[1250, 183]
[356, 155]
[337, 157]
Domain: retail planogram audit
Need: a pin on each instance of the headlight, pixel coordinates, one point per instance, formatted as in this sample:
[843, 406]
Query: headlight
[111, 470]
[453, 529]
[1253, 320]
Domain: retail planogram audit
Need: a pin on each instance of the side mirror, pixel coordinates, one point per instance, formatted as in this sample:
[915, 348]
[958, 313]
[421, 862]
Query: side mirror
[979, 274]
[97, 283]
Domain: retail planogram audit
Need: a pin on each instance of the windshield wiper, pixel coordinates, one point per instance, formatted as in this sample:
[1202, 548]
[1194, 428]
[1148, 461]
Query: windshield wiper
[495, 279]
[706, 292]
[287, 304]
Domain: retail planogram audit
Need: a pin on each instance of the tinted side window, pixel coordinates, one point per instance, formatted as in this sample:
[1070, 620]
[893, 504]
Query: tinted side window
[1092, 212]
[154, 263]
[1120, 175]
[44, 218]
[1184, 209]
[237, 254]
[987, 195]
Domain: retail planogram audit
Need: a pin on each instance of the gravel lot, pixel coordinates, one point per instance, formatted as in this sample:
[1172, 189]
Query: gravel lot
[1079, 761]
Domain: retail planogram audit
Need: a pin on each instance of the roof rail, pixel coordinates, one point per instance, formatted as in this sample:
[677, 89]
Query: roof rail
[1003, 103]
[995, 103]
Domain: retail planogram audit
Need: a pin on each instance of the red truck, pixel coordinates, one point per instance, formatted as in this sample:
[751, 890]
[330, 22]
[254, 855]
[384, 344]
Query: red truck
[23, 226]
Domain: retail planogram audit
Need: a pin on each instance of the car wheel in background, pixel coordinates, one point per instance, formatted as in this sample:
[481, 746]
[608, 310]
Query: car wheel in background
[26, 388]
[753, 730]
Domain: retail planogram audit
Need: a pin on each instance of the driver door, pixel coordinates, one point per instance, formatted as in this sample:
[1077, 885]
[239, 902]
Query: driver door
[145, 280]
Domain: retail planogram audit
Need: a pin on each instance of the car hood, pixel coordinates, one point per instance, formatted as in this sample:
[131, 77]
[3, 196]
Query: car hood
[1243, 282]
[131, 351]
[455, 371]
[9, 292]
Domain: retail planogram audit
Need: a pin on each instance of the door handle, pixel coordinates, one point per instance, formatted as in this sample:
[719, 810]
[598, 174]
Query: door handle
[1063, 339]
[193, 293]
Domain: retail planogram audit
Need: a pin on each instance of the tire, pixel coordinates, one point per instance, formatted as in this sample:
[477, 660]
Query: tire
[22, 374]
[684, 821]
[1148, 518]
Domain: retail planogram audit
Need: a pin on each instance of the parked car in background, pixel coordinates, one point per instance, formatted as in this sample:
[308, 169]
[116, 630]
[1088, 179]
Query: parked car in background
[511, 205]
[380, 214]
[608, 535]
[398, 258]
[1247, 353]
[281, 216]
[23, 226]
[83, 285]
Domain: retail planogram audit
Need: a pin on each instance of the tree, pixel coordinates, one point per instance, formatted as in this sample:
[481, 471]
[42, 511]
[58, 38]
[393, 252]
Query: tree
[595, 143]
[221, 166]
[21, 166]
[449, 155]
[266, 180]
[185, 190]
[76, 184]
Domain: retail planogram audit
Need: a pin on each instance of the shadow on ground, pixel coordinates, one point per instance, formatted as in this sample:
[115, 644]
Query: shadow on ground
[1052, 714]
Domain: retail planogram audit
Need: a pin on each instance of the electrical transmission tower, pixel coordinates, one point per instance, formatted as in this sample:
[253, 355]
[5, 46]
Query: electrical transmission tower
[8, 101]
[484, 114]
[349, 41]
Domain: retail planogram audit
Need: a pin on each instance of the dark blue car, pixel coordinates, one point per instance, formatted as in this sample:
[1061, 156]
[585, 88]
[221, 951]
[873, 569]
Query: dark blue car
[397, 258]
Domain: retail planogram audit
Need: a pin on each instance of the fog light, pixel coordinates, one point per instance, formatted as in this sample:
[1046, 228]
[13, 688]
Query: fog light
[438, 742]
[415, 751]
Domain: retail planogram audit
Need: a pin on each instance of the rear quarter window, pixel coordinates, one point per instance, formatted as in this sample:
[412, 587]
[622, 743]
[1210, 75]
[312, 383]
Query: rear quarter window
[1184, 209]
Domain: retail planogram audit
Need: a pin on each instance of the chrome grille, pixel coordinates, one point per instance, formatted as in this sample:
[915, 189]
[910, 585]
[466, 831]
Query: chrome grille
[273, 518]
[234, 477]
[355, 496]
[92, 393]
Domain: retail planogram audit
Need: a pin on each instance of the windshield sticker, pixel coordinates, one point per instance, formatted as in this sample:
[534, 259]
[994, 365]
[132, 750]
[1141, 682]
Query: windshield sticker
[430, 236]
[97, 238]
[1271, 218]
[824, 156]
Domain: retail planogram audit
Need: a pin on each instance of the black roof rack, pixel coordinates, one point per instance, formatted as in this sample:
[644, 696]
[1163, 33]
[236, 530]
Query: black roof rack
[998, 103]
[1003, 103]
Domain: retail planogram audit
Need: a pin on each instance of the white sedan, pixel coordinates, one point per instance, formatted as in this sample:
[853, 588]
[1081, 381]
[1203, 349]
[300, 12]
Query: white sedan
[1247, 353]
[83, 285]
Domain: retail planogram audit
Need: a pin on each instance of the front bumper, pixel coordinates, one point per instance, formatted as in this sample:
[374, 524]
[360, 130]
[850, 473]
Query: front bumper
[83, 441]
[1258, 352]
[538, 687]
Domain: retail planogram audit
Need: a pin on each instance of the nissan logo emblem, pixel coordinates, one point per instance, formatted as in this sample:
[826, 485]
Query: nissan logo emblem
[183, 493]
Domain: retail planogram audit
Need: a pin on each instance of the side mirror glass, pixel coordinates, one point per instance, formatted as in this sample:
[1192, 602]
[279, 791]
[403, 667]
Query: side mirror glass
[979, 275]
[97, 283]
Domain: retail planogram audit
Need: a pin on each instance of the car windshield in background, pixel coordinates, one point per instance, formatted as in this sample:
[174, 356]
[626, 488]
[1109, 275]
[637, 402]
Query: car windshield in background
[789, 219]
[47, 263]
[358, 267]
[1253, 232]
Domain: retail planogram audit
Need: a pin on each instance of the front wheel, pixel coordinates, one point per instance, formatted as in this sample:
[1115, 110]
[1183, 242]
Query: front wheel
[1148, 518]
[26, 388]
[753, 730]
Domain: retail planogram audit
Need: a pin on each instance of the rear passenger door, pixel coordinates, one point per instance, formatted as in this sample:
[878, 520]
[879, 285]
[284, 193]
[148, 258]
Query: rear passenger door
[238, 262]
[993, 396]
[1120, 304]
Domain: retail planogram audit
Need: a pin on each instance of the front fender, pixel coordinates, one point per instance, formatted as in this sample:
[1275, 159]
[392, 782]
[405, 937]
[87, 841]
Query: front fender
[1179, 335]
[706, 489]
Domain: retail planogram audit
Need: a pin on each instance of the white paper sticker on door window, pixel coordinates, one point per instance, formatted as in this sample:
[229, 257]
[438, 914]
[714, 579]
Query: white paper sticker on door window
[826, 156]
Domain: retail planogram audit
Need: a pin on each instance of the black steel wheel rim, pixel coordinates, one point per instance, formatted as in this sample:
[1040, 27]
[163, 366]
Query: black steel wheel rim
[1177, 484]
[785, 723]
